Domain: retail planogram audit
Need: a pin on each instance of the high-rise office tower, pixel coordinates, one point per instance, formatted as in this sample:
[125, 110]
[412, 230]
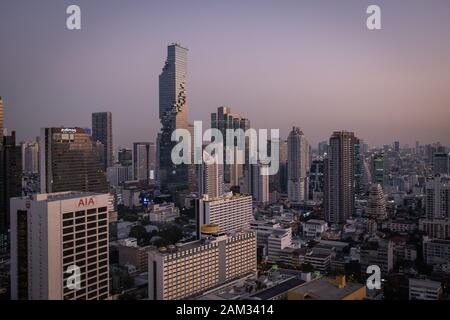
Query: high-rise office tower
[173, 114]
[230, 212]
[187, 270]
[437, 193]
[60, 246]
[224, 120]
[377, 203]
[68, 162]
[298, 165]
[380, 168]
[1, 120]
[102, 131]
[30, 157]
[144, 161]
[10, 176]
[339, 197]
[210, 180]
[441, 163]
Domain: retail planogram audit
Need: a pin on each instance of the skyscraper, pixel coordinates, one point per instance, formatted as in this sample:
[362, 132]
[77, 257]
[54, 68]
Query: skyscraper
[173, 114]
[30, 157]
[437, 193]
[10, 176]
[143, 153]
[68, 162]
[210, 176]
[376, 203]
[102, 131]
[339, 197]
[359, 167]
[316, 179]
[380, 169]
[258, 183]
[298, 165]
[54, 236]
[224, 120]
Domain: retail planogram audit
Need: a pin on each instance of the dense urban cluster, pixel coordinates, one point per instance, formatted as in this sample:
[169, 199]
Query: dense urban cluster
[137, 226]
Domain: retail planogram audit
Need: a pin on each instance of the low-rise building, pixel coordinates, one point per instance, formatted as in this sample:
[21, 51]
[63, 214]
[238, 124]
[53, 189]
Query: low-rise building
[377, 252]
[400, 226]
[277, 241]
[314, 228]
[436, 251]
[422, 289]
[130, 254]
[165, 212]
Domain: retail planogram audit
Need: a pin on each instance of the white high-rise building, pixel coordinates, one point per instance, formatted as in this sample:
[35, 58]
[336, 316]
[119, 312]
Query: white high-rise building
[298, 166]
[437, 204]
[210, 180]
[60, 246]
[230, 212]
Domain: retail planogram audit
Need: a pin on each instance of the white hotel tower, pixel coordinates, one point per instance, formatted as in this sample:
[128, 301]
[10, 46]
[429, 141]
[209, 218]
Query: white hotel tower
[54, 234]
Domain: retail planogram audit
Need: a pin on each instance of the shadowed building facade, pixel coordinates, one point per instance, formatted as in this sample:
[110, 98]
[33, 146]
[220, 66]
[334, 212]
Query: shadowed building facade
[68, 162]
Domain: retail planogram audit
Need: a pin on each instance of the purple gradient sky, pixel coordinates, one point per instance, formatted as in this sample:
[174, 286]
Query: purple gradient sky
[311, 64]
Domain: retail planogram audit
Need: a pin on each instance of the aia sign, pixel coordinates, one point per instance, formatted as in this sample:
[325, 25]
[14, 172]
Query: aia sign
[84, 202]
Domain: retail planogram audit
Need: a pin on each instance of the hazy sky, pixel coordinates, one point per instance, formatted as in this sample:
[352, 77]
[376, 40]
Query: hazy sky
[311, 64]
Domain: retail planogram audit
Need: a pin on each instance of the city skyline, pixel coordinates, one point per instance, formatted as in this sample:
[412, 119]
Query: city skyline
[289, 150]
[392, 83]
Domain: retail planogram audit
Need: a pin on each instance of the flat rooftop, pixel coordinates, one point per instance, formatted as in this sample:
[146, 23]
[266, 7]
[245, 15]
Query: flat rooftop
[62, 196]
[278, 289]
[322, 289]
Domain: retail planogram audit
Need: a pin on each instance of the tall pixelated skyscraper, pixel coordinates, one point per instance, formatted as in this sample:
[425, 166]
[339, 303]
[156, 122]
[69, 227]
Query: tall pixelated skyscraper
[102, 131]
[173, 114]
[68, 162]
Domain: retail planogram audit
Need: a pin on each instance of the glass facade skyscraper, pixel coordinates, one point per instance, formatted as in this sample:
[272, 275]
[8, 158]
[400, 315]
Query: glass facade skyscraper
[68, 162]
[102, 131]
